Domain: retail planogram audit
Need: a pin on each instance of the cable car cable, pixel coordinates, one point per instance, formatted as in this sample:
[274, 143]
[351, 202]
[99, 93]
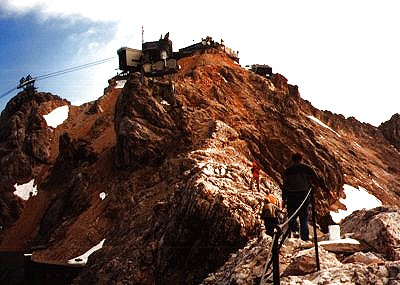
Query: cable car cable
[62, 72]
[71, 69]
[8, 92]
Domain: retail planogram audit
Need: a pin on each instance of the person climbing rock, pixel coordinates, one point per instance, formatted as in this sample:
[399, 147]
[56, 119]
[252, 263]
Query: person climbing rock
[297, 181]
[271, 213]
[255, 171]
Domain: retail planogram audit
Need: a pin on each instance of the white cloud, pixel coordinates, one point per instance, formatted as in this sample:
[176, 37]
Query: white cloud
[93, 10]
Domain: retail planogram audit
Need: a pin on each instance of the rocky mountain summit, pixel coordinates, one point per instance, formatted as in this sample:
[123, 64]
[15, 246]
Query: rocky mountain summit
[160, 171]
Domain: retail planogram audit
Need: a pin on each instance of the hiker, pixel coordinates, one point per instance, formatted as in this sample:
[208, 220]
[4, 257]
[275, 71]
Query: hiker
[271, 213]
[255, 171]
[297, 181]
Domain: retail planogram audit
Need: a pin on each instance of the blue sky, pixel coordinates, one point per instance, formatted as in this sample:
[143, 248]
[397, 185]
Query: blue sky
[343, 55]
[31, 45]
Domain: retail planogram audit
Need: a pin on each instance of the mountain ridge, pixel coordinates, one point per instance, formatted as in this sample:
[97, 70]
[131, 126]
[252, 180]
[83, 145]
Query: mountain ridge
[172, 155]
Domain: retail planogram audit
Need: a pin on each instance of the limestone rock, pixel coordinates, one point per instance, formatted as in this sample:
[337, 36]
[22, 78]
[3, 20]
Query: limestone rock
[24, 145]
[304, 262]
[391, 130]
[146, 129]
[346, 245]
[215, 210]
[378, 228]
[246, 266]
[364, 258]
[349, 274]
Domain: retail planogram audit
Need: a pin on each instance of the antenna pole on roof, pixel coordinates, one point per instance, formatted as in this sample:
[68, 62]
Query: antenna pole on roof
[142, 35]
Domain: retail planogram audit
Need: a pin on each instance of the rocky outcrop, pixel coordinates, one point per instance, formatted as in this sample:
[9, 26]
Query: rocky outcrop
[246, 266]
[148, 126]
[74, 152]
[24, 145]
[366, 258]
[304, 263]
[66, 205]
[298, 265]
[212, 214]
[391, 130]
[378, 228]
[69, 186]
[350, 274]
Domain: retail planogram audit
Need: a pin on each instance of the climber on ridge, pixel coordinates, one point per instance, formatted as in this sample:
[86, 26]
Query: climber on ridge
[271, 213]
[297, 181]
[255, 171]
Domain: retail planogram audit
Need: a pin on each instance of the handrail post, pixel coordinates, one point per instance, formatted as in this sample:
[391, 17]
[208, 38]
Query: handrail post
[275, 256]
[314, 222]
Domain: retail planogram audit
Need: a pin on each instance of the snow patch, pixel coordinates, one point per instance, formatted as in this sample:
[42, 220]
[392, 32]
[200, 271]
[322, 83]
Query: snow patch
[82, 259]
[25, 191]
[322, 124]
[163, 102]
[356, 199]
[57, 116]
[102, 195]
[338, 241]
[120, 84]
[377, 184]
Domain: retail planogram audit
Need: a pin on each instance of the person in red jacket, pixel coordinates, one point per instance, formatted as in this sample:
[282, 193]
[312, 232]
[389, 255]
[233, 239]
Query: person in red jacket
[255, 170]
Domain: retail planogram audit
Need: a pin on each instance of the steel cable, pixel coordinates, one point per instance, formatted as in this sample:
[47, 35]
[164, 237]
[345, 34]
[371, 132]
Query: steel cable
[8, 92]
[72, 69]
[296, 212]
[278, 233]
[62, 72]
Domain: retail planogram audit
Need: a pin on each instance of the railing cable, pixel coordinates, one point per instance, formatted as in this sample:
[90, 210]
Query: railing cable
[273, 255]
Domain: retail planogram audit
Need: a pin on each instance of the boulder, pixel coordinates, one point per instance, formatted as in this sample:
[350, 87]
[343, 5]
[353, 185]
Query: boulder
[366, 258]
[379, 228]
[244, 266]
[304, 262]
[350, 274]
[346, 245]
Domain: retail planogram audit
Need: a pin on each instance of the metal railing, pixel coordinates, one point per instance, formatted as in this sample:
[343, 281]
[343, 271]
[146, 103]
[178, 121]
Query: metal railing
[279, 233]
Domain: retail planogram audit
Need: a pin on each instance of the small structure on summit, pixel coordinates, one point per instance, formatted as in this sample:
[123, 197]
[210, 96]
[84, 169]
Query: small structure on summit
[260, 69]
[27, 83]
[156, 58]
[205, 44]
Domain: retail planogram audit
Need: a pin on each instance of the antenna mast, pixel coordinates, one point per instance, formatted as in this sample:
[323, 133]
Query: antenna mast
[142, 35]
